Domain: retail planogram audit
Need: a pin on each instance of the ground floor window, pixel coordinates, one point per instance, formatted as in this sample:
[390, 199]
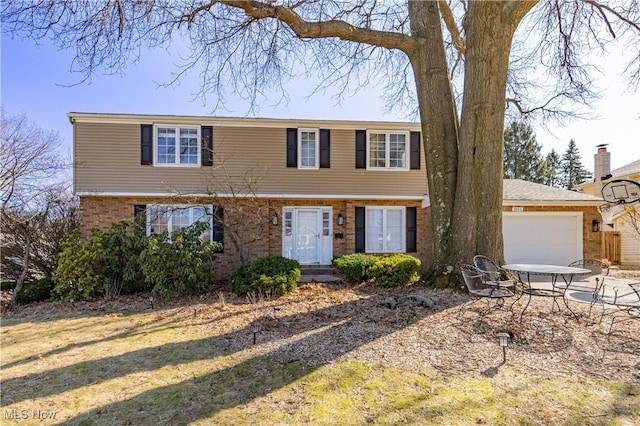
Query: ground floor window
[173, 218]
[385, 230]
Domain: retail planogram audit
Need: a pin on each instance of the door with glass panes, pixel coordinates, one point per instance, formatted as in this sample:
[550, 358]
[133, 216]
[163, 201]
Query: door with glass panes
[306, 234]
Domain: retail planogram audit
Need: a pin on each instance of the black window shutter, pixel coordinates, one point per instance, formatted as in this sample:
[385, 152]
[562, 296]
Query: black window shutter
[361, 149]
[218, 224]
[140, 214]
[414, 138]
[360, 230]
[292, 147]
[146, 144]
[412, 239]
[325, 148]
[206, 132]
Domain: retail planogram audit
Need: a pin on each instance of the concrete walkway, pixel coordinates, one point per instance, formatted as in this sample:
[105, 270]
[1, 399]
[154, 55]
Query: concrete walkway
[610, 286]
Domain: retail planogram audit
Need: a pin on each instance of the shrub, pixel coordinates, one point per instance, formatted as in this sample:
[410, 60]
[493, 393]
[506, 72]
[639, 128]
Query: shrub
[182, 265]
[355, 267]
[122, 246]
[269, 275]
[395, 270]
[36, 291]
[102, 266]
[79, 274]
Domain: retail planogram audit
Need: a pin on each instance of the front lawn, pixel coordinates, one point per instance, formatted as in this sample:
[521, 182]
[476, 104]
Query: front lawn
[324, 355]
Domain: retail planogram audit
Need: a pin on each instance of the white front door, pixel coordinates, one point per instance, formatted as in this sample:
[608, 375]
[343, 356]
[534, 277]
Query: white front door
[307, 235]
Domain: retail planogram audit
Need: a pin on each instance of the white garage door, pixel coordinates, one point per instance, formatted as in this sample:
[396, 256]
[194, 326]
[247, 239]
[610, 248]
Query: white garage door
[551, 238]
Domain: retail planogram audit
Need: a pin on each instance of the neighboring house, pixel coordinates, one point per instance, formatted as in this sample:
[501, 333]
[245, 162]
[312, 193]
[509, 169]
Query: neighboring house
[619, 219]
[310, 190]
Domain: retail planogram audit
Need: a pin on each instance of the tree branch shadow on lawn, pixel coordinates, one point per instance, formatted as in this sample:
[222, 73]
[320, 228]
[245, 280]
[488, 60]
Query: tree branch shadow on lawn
[332, 319]
[136, 330]
[191, 399]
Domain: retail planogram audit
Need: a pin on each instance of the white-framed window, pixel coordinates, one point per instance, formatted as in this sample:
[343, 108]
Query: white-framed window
[308, 148]
[172, 218]
[386, 230]
[176, 145]
[387, 150]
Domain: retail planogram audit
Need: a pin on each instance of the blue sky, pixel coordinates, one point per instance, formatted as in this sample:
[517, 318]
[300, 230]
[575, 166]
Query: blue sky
[35, 79]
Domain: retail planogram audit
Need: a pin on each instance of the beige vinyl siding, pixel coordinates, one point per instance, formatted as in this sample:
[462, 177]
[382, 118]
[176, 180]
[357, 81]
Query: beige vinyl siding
[247, 160]
[630, 241]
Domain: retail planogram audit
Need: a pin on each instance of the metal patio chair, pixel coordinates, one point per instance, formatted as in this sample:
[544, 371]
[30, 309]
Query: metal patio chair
[591, 284]
[480, 286]
[625, 304]
[496, 274]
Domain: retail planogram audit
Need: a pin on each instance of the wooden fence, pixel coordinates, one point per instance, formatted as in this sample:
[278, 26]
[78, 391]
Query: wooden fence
[612, 246]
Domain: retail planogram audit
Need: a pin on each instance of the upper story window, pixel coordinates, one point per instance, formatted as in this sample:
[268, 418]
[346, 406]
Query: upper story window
[173, 218]
[308, 148]
[387, 150]
[177, 145]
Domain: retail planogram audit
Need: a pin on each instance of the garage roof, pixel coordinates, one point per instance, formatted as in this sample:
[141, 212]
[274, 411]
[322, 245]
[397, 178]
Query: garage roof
[521, 192]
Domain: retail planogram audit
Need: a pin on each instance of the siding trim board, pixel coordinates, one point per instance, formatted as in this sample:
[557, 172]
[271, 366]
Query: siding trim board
[106, 118]
[280, 196]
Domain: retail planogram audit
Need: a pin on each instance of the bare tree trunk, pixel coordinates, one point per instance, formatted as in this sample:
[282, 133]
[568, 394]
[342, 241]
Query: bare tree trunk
[477, 213]
[25, 264]
[439, 122]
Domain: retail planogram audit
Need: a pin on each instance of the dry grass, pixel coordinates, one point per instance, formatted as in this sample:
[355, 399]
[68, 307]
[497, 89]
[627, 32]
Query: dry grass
[326, 354]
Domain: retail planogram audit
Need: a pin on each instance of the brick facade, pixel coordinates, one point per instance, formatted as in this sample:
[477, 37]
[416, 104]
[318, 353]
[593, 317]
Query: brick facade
[248, 225]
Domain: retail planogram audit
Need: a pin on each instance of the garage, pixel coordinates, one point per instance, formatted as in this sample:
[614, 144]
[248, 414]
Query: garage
[542, 237]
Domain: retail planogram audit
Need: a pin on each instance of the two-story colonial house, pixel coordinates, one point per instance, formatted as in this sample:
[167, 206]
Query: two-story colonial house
[309, 190]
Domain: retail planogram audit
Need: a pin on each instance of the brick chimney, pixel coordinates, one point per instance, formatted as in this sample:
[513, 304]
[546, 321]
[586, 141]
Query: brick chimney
[602, 166]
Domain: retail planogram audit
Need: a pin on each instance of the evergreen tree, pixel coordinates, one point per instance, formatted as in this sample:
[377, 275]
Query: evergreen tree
[522, 158]
[551, 168]
[573, 172]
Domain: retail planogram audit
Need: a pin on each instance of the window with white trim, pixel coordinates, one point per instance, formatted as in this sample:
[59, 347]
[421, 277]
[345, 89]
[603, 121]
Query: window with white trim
[177, 145]
[387, 150]
[308, 148]
[386, 230]
[173, 218]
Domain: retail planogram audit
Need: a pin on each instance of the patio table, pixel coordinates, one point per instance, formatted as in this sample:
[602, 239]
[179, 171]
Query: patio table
[542, 288]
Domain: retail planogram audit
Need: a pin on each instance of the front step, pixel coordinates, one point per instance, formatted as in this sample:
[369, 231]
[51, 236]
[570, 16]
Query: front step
[317, 270]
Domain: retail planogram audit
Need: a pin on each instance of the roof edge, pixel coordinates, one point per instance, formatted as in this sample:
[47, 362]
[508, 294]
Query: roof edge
[116, 118]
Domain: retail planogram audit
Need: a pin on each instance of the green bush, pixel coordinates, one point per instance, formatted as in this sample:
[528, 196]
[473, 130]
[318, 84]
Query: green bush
[355, 267]
[269, 275]
[182, 265]
[395, 270]
[122, 246]
[80, 263]
[102, 266]
[36, 291]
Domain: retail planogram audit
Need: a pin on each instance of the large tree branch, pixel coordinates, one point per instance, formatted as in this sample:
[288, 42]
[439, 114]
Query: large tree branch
[323, 29]
[447, 16]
